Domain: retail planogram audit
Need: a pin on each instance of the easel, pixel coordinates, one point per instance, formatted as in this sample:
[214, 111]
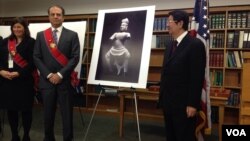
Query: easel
[136, 113]
[113, 92]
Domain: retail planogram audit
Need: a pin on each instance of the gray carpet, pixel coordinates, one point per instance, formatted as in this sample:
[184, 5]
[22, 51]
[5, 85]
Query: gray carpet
[103, 128]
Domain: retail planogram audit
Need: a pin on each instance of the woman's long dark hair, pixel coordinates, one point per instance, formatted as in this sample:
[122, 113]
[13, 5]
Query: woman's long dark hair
[24, 23]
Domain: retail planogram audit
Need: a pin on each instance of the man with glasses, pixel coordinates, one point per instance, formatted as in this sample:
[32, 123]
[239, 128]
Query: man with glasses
[181, 79]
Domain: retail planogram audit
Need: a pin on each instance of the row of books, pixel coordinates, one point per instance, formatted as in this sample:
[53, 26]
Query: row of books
[234, 98]
[216, 77]
[219, 92]
[217, 40]
[216, 59]
[160, 24]
[239, 19]
[235, 20]
[92, 25]
[89, 44]
[238, 39]
[161, 41]
[217, 21]
[234, 59]
[91, 41]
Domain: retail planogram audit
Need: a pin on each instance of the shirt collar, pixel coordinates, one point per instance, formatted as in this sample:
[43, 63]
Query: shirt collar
[179, 39]
[59, 29]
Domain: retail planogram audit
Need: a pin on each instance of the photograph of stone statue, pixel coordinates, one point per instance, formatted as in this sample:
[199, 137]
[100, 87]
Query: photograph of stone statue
[120, 50]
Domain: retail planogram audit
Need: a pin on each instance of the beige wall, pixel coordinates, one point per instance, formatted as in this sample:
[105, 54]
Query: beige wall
[11, 8]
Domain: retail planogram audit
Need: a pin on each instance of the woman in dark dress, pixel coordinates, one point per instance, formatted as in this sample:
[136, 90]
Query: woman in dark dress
[16, 81]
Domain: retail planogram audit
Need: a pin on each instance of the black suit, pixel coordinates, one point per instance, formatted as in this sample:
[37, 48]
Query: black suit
[181, 85]
[63, 92]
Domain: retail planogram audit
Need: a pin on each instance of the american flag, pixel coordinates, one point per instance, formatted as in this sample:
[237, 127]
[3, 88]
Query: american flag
[200, 29]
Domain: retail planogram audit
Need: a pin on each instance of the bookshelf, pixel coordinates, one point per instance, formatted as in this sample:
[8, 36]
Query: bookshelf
[229, 29]
[87, 54]
[245, 97]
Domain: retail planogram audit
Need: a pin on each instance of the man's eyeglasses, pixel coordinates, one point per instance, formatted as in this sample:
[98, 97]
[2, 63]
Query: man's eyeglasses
[172, 21]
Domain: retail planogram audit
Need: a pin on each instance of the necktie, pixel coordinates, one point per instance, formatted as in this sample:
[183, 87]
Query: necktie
[55, 35]
[174, 46]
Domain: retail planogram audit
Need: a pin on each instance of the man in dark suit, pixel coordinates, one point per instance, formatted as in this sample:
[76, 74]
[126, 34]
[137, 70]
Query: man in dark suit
[181, 79]
[56, 54]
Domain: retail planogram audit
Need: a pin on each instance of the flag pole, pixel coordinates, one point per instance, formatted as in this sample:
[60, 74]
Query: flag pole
[209, 128]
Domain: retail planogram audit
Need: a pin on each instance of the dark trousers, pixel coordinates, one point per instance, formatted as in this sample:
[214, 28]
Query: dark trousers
[13, 122]
[64, 98]
[178, 126]
[1, 120]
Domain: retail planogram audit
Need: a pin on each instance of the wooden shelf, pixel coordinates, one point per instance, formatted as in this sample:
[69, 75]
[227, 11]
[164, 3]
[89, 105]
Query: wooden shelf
[245, 97]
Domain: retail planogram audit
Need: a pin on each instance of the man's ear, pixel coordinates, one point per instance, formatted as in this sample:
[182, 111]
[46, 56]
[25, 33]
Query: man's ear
[180, 24]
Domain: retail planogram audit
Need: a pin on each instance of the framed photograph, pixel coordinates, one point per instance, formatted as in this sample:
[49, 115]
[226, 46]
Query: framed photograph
[122, 47]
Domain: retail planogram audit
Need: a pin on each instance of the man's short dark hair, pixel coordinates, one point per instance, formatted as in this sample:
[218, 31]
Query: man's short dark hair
[58, 6]
[179, 15]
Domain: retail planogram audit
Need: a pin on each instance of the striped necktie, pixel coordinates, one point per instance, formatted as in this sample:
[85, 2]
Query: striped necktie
[55, 35]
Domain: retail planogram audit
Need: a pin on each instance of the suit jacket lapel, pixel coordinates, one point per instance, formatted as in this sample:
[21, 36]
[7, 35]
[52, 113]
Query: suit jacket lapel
[62, 37]
[179, 48]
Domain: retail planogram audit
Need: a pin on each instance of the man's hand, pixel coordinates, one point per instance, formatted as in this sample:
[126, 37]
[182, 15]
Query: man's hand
[14, 74]
[6, 74]
[55, 78]
[191, 111]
